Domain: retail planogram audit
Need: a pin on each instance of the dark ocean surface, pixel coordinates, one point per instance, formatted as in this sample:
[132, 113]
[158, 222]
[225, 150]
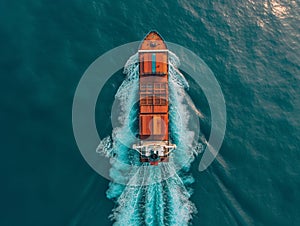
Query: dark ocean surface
[253, 48]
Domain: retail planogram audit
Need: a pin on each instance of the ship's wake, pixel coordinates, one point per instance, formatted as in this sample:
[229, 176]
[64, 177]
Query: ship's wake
[152, 195]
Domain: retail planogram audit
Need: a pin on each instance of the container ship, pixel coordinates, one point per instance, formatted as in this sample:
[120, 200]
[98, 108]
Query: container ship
[154, 143]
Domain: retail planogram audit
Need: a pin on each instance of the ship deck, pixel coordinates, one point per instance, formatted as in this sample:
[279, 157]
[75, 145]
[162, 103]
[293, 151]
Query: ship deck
[153, 71]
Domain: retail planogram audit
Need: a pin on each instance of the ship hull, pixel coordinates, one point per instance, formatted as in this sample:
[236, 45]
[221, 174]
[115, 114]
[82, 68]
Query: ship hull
[154, 146]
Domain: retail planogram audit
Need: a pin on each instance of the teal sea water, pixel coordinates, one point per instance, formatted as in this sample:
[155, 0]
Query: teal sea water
[252, 47]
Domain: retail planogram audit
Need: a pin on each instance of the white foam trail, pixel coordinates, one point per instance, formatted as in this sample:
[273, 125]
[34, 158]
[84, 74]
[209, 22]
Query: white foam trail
[162, 197]
[219, 158]
[193, 107]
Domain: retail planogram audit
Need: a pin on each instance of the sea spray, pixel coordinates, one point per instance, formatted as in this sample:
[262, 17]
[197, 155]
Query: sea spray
[151, 195]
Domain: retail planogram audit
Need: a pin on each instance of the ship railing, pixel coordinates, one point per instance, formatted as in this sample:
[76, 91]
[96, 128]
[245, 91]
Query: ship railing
[153, 51]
